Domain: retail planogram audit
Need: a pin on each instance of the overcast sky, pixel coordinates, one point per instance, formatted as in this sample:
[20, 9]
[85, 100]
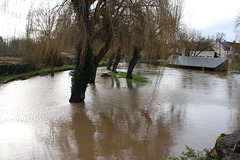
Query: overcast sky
[207, 16]
[13, 17]
[212, 16]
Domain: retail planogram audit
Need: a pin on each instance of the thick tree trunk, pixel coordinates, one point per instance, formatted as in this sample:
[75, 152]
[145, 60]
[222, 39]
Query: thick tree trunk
[117, 60]
[93, 76]
[81, 74]
[98, 58]
[85, 70]
[110, 61]
[133, 62]
[52, 70]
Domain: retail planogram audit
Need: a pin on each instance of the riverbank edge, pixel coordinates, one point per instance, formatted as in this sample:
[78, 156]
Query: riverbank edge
[27, 75]
[235, 71]
[46, 71]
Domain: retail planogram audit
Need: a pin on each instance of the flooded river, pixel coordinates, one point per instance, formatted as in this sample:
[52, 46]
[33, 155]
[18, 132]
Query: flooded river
[119, 119]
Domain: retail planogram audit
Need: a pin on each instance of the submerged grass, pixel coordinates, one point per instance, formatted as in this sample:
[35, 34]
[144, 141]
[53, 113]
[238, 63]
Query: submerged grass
[136, 78]
[33, 73]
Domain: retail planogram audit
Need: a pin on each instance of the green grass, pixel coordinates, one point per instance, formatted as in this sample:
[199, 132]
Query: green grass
[191, 154]
[235, 66]
[103, 63]
[136, 78]
[37, 72]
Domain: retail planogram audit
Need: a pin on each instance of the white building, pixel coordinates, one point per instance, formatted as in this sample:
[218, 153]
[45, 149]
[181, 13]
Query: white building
[222, 49]
[206, 54]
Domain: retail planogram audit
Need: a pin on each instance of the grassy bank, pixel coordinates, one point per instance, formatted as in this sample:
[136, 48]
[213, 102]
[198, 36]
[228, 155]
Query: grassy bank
[8, 78]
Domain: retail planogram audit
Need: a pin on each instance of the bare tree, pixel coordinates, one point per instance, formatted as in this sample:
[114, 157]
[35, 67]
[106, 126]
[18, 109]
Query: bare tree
[237, 26]
[195, 43]
[220, 35]
[42, 26]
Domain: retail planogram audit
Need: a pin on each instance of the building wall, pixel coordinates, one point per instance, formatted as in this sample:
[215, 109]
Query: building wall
[207, 54]
[221, 52]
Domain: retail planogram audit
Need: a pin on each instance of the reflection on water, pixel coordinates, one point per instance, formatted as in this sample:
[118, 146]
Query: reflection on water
[119, 119]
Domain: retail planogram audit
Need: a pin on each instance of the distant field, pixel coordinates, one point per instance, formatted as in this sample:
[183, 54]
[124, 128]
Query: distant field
[10, 59]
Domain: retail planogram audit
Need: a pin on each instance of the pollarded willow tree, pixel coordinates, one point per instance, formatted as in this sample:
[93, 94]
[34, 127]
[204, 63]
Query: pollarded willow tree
[155, 30]
[94, 19]
[148, 25]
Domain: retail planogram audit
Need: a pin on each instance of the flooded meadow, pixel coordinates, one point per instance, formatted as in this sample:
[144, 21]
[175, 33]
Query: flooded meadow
[119, 119]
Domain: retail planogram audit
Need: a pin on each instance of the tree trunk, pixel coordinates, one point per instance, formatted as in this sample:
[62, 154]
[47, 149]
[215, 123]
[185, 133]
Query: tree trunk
[52, 70]
[133, 62]
[98, 58]
[117, 60]
[81, 74]
[84, 70]
[93, 76]
[110, 61]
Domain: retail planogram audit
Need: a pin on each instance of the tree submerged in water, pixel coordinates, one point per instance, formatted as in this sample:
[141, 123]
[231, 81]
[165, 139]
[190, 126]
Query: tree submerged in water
[134, 28]
[148, 26]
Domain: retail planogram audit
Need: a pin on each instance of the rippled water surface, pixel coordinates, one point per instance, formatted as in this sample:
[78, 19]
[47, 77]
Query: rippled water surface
[119, 119]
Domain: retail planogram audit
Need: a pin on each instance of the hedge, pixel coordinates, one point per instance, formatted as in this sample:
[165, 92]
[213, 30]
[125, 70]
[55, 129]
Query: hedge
[10, 69]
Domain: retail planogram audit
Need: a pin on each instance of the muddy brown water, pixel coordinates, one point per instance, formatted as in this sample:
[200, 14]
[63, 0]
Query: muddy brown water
[119, 119]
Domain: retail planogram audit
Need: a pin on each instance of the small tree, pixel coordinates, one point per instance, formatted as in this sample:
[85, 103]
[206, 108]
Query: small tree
[195, 43]
[42, 27]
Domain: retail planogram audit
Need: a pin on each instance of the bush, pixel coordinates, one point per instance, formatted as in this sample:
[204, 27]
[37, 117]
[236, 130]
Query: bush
[3, 69]
[23, 68]
[10, 69]
[192, 155]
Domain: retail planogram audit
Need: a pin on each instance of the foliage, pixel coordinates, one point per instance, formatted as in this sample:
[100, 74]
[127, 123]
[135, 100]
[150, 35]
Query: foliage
[192, 155]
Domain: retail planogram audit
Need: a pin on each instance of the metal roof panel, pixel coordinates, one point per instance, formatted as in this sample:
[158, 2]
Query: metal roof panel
[197, 61]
